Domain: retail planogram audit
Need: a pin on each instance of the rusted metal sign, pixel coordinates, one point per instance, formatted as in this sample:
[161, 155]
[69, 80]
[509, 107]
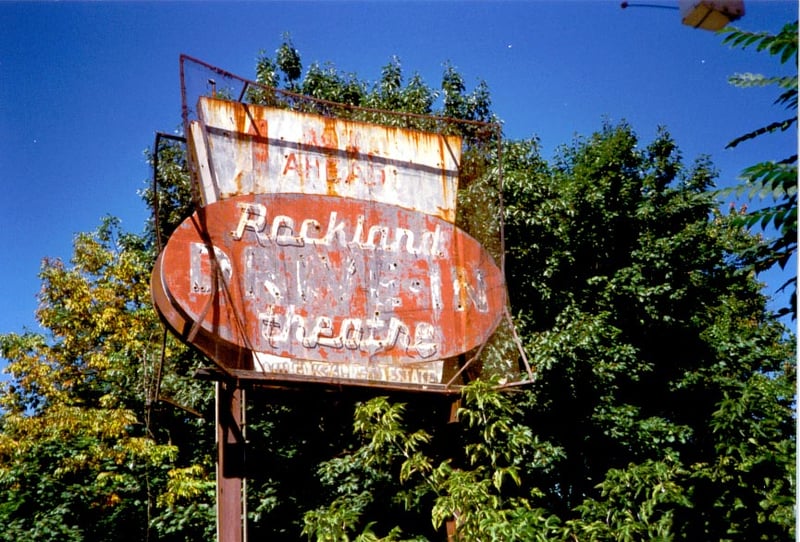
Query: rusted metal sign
[325, 250]
[329, 287]
[245, 149]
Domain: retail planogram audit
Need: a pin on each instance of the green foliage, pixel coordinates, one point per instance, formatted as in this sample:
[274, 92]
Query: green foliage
[782, 45]
[356, 478]
[487, 492]
[172, 198]
[639, 502]
[85, 454]
[391, 93]
[776, 180]
[287, 59]
[460, 475]
[638, 342]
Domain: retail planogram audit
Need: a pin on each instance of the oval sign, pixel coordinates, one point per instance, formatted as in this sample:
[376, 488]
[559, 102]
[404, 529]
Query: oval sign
[326, 279]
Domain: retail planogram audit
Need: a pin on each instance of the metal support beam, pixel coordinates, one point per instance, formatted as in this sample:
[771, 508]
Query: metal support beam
[231, 518]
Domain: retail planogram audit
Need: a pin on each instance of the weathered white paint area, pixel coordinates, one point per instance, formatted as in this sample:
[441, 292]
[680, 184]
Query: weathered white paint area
[243, 149]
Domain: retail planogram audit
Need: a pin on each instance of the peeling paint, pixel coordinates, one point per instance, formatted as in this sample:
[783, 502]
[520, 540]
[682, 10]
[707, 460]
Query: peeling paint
[261, 150]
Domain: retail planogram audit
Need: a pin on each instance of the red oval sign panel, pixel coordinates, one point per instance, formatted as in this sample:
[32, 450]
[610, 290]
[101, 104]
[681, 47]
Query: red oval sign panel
[328, 280]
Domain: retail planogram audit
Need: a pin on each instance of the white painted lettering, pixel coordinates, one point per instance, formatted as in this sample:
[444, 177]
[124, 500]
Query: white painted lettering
[380, 336]
[282, 231]
[201, 268]
[416, 373]
[464, 291]
[253, 217]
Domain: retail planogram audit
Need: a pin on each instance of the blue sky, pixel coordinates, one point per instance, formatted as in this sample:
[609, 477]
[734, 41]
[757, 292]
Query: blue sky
[85, 86]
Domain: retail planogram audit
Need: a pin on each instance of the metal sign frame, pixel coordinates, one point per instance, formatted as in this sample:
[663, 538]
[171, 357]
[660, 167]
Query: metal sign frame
[218, 84]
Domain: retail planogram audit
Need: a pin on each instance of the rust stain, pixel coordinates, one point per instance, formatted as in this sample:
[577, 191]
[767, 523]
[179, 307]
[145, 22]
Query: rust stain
[237, 180]
[330, 140]
[325, 156]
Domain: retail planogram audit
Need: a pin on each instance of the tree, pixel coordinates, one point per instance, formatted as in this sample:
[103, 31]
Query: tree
[85, 451]
[651, 330]
[776, 179]
[661, 408]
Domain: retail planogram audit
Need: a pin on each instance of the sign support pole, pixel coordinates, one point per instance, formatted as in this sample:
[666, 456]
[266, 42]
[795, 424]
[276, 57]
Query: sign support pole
[231, 520]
